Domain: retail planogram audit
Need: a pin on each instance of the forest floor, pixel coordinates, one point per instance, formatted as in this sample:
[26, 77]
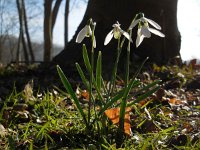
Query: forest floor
[36, 113]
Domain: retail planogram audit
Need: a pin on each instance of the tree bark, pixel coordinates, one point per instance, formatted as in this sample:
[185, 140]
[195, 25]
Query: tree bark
[22, 39]
[27, 32]
[55, 13]
[47, 30]
[106, 12]
[66, 22]
[50, 16]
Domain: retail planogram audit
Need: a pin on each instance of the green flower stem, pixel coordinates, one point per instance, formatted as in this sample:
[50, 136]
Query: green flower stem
[124, 99]
[114, 73]
[128, 61]
[134, 19]
[91, 79]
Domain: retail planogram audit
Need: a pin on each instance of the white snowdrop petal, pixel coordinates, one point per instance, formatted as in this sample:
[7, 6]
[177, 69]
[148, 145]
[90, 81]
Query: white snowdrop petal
[134, 24]
[156, 32]
[127, 35]
[145, 31]
[139, 40]
[81, 35]
[116, 25]
[108, 37]
[153, 23]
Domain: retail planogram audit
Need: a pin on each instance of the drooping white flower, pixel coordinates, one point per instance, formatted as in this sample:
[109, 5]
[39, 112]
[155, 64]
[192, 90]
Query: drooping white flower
[145, 20]
[144, 30]
[86, 32]
[116, 32]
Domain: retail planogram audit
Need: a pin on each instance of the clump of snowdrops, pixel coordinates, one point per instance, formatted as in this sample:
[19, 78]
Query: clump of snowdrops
[110, 96]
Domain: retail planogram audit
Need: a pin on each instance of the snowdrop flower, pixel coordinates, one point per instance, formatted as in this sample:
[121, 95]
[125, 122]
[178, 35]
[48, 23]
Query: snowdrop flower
[86, 32]
[144, 30]
[116, 32]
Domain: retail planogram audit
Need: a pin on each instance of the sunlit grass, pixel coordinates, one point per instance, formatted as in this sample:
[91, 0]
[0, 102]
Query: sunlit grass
[50, 120]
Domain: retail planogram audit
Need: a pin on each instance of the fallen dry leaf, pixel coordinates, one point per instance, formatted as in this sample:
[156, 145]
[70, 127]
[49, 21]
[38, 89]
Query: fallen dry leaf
[174, 101]
[113, 115]
[85, 94]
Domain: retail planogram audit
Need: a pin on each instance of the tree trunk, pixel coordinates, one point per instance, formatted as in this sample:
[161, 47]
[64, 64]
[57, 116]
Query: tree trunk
[55, 13]
[106, 12]
[50, 16]
[27, 32]
[66, 21]
[22, 38]
[47, 30]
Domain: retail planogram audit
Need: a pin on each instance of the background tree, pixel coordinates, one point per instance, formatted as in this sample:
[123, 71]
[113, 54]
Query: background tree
[68, 3]
[105, 13]
[24, 36]
[66, 22]
[50, 15]
[29, 44]
[8, 26]
[3, 32]
[21, 39]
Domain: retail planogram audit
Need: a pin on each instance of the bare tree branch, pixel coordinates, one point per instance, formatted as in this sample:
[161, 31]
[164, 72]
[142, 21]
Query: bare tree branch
[55, 13]
[27, 32]
[21, 37]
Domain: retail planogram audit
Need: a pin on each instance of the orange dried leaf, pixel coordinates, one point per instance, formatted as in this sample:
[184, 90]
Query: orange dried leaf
[113, 115]
[127, 125]
[142, 103]
[85, 94]
[175, 101]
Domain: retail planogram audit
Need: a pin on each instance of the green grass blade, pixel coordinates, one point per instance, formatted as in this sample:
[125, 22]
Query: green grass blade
[99, 70]
[144, 96]
[85, 81]
[69, 89]
[99, 93]
[43, 129]
[140, 68]
[124, 103]
[145, 145]
[31, 145]
[88, 66]
[86, 59]
[125, 95]
[46, 144]
[166, 131]
[117, 97]
[105, 90]
[83, 78]
[110, 102]
[148, 86]
[25, 135]
[124, 99]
